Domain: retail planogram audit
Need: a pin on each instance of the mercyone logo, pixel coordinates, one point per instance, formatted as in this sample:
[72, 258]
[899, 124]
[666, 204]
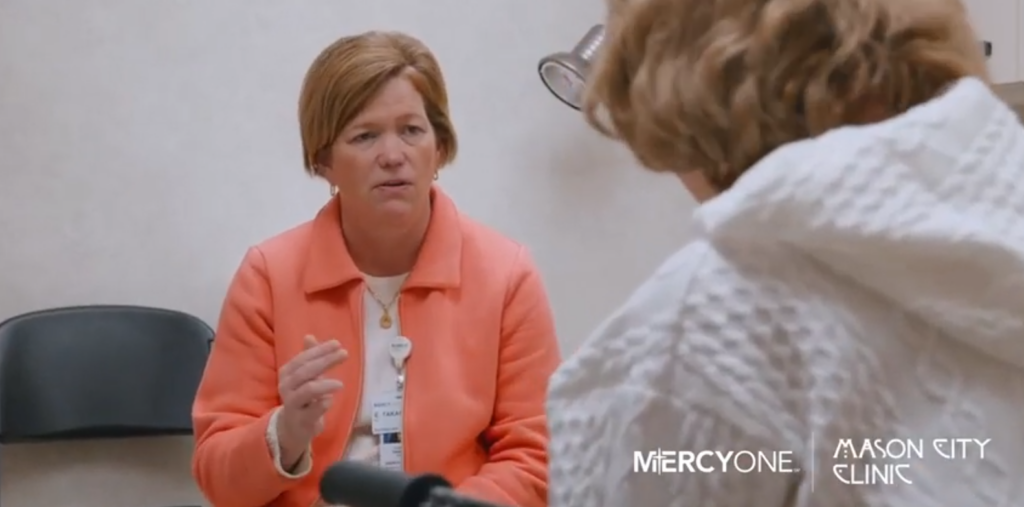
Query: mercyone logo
[851, 461]
[744, 462]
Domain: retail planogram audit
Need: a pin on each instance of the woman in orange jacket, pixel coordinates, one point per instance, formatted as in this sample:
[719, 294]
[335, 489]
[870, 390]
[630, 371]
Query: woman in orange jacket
[390, 328]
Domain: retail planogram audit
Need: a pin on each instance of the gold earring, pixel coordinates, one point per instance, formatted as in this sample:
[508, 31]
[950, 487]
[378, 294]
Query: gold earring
[334, 190]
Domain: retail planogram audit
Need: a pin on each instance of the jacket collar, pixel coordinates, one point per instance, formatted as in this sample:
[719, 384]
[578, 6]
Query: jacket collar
[329, 264]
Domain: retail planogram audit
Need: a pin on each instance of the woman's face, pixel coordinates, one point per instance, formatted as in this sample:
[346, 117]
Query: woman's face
[384, 161]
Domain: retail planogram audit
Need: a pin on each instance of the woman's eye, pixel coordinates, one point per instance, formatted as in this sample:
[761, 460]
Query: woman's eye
[361, 138]
[413, 129]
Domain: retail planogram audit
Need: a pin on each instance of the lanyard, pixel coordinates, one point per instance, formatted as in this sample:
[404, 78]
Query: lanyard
[400, 349]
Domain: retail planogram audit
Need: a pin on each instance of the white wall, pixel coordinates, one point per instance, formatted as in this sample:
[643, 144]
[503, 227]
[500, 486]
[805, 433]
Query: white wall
[999, 22]
[145, 145]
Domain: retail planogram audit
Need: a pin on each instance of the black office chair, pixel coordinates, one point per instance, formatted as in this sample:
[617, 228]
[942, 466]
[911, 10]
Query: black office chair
[99, 372]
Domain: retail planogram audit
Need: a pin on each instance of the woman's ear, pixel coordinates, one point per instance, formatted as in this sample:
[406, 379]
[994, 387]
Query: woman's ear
[323, 161]
[698, 185]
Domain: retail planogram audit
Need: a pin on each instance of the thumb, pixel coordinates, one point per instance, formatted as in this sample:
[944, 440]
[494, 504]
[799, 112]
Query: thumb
[309, 341]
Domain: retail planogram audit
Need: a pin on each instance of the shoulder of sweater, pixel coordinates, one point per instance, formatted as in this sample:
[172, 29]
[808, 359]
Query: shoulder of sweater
[701, 294]
[710, 327]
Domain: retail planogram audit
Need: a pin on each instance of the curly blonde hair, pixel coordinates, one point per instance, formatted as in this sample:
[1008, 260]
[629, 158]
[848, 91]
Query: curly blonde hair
[715, 85]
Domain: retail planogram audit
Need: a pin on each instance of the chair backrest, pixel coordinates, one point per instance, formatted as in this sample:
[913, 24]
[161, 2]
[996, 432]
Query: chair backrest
[99, 372]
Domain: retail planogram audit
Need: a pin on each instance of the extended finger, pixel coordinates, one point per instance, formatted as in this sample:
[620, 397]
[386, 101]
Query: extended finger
[312, 369]
[309, 354]
[310, 392]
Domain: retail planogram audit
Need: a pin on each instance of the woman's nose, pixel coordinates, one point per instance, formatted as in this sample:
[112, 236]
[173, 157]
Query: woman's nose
[392, 149]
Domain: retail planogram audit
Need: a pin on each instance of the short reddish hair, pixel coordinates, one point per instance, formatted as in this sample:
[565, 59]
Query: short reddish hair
[350, 72]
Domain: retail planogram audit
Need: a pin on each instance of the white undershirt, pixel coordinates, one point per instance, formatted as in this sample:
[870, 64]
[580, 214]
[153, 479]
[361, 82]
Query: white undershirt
[379, 374]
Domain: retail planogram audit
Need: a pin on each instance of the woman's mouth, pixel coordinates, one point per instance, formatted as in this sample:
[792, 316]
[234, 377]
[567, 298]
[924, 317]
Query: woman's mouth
[395, 188]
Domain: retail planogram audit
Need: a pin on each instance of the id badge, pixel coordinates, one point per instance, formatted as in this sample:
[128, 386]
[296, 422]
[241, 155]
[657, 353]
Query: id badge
[387, 413]
[391, 452]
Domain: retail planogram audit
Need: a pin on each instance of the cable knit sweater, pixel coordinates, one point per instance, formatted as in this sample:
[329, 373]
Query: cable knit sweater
[865, 285]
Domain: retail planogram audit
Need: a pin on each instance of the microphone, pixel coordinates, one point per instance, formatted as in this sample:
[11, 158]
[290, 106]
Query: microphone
[357, 484]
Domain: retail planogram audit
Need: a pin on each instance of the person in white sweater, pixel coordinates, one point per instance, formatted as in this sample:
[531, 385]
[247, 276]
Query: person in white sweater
[847, 328]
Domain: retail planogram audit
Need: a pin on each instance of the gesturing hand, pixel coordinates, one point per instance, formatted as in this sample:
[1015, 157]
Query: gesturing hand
[306, 395]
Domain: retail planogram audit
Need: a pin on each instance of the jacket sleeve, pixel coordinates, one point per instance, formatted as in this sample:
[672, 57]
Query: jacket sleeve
[232, 461]
[516, 473]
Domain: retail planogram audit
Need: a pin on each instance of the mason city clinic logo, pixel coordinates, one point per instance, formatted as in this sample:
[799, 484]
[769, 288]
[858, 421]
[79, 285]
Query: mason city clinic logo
[666, 461]
[887, 461]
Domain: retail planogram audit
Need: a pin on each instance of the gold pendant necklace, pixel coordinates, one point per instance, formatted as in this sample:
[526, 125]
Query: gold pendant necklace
[385, 321]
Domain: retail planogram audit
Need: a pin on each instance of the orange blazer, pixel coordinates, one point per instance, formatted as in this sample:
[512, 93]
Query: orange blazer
[483, 348]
